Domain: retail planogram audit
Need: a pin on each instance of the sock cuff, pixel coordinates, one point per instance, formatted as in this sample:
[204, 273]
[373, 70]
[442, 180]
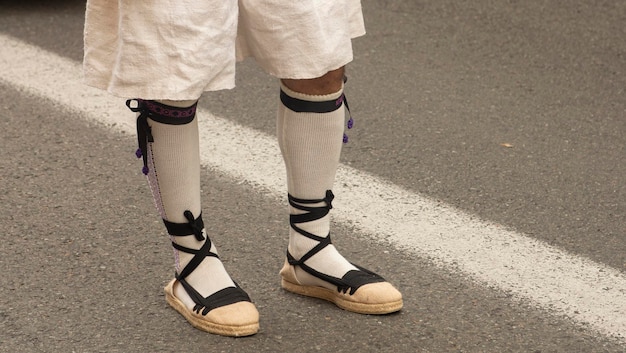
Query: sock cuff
[304, 103]
[310, 97]
[161, 112]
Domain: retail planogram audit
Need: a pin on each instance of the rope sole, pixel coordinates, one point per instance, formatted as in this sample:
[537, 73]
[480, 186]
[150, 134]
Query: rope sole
[342, 300]
[248, 326]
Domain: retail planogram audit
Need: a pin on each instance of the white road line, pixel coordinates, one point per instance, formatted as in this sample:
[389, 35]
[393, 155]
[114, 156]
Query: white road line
[563, 283]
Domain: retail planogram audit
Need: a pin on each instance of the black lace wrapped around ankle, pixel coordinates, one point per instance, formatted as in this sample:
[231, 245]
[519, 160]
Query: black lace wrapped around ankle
[226, 296]
[353, 279]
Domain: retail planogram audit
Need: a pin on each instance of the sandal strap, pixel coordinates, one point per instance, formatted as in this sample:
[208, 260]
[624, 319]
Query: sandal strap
[223, 297]
[312, 213]
[194, 226]
[351, 280]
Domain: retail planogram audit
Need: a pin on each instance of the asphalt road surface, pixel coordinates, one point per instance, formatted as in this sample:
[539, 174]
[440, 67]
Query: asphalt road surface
[501, 123]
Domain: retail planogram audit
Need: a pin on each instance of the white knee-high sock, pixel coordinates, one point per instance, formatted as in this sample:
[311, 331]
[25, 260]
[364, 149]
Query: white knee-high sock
[311, 145]
[173, 163]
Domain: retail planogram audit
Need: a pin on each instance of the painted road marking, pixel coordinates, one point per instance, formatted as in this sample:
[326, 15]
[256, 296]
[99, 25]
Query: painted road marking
[565, 284]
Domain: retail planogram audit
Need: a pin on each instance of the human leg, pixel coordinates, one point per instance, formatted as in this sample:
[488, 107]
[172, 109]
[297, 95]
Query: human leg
[202, 291]
[310, 127]
[158, 50]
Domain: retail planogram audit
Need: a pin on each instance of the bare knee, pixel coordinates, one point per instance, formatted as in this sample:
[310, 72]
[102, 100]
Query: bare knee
[328, 83]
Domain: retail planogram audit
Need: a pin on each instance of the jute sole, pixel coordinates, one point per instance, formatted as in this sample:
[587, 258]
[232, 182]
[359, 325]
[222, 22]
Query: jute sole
[335, 297]
[198, 321]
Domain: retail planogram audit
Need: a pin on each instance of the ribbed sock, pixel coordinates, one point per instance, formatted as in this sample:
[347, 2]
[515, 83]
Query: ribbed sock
[311, 143]
[173, 172]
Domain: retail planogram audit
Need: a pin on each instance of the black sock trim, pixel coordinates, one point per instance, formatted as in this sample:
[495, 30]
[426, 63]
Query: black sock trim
[163, 113]
[303, 106]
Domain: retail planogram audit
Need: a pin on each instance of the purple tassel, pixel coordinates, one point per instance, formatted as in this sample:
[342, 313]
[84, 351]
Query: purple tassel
[145, 170]
[138, 153]
[345, 138]
[350, 123]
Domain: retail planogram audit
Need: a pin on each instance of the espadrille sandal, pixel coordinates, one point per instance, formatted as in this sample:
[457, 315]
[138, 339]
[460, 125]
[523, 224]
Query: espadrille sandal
[360, 291]
[228, 312]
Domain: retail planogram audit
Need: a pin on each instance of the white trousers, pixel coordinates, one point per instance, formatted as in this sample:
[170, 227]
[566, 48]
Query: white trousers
[177, 49]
